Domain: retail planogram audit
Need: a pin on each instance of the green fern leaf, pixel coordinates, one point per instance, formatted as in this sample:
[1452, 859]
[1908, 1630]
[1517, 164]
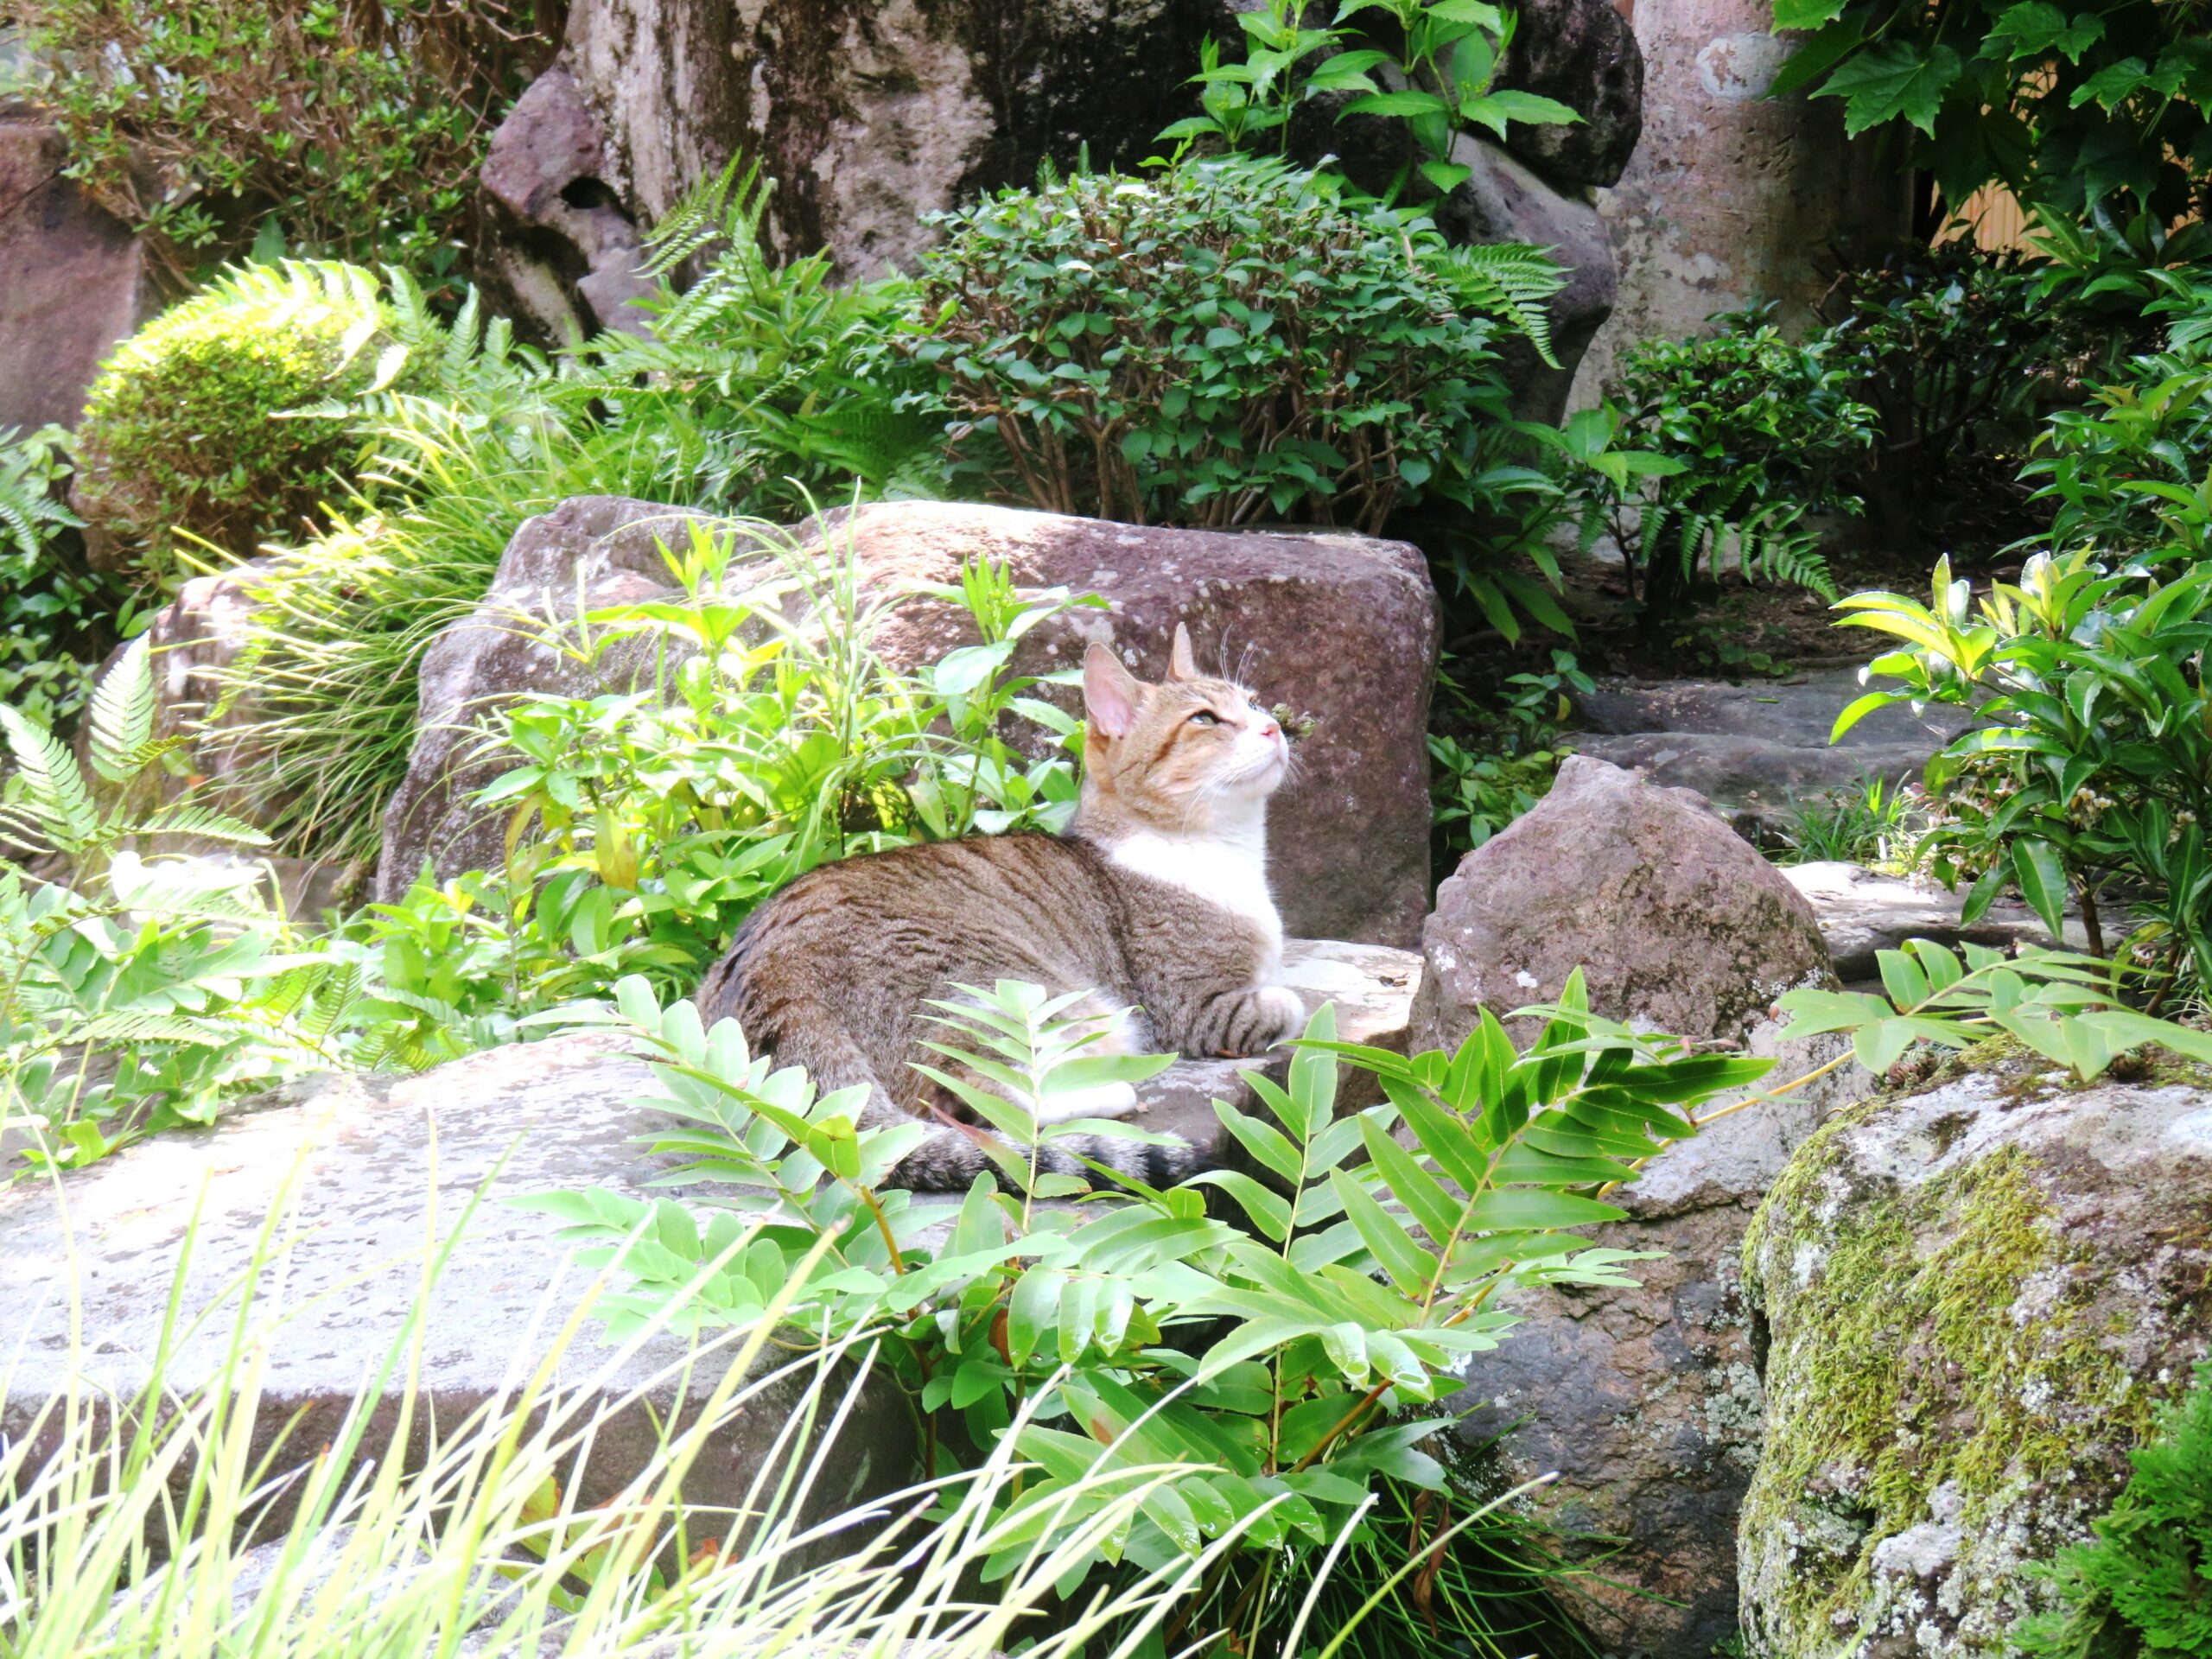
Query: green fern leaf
[123, 712]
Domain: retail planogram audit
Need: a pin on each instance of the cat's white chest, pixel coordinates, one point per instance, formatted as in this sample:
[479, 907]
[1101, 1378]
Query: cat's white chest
[1230, 873]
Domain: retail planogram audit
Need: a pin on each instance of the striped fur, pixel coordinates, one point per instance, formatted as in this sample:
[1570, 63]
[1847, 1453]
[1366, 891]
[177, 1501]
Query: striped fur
[1157, 898]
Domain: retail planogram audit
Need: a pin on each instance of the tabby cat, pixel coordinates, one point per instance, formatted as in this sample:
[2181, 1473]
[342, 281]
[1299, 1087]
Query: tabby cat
[1156, 899]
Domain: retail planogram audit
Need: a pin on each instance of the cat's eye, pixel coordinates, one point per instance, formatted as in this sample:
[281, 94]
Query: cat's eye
[1205, 717]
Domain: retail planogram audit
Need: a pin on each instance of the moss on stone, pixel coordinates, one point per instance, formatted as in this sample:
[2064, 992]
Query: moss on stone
[1943, 1347]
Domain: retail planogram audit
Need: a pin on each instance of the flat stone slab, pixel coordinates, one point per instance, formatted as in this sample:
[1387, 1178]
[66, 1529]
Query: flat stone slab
[1862, 911]
[382, 1168]
[1749, 748]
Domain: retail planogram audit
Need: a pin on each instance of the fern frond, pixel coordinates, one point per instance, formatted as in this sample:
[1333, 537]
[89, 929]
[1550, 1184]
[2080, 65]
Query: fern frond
[123, 712]
[185, 819]
[1515, 281]
[58, 795]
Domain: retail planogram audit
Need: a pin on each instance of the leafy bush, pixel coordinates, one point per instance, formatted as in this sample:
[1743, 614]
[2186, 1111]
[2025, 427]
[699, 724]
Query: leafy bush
[2140, 1585]
[346, 129]
[1959, 351]
[646, 825]
[2089, 765]
[1222, 342]
[211, 422]
[147, 990]
[2131, 472]
[787, 379]
[1714, 443]
[2096, 109]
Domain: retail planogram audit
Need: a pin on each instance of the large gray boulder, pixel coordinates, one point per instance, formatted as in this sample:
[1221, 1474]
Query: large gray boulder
[1676, 923]
[72, 279]
[1971, 1302]
[1339, 625]
[1643, 1402]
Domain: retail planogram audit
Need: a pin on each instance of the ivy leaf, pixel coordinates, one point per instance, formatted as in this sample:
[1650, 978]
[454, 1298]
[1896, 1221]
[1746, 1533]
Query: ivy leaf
[1891, 82]
[1806, 14]
[1815, 57]
[2111, 85]
[2037, 28]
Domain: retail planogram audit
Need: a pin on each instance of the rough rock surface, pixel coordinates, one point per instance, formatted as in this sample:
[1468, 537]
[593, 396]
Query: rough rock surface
[72, 280]
[1972, 1300]
[1584, 54]
[1643, 1400]
[1676, 922]
[382, 1170]
[541, 176]
[1646, 1402]
[1340, 626]
[868, 115]
[1732, 196]
[1749, 748]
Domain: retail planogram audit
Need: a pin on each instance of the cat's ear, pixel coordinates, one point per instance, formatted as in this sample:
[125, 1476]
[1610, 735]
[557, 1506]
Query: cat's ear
[1180, 664]
[1110, 693]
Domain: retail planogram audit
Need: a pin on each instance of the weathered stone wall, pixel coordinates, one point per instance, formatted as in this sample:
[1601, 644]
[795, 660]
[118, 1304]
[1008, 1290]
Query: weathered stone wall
[1730, 196]
[72, 281]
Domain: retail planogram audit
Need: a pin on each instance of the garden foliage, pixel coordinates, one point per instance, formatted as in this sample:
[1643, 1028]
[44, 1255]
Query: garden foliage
[1428, 68]
[1716, 446]
[1226, 342]
[336, 129]
[2143, 1585]
[211, 423]
[2090, 108]
[2089, 766]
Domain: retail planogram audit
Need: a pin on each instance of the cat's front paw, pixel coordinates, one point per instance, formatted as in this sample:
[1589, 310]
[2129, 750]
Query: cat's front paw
[1269, 1014]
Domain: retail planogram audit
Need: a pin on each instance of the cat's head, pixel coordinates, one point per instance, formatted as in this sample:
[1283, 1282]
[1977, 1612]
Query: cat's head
[1178, 755]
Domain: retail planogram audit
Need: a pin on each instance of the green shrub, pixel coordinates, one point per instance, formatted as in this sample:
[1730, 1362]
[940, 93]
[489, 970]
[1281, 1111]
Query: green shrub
[197, 426]
[2144, 1586]
[2131, 471]
[352, 131]
[1219, 343]
[1959, 351]
[1729, 440]
[784, 379]
[2088, 767]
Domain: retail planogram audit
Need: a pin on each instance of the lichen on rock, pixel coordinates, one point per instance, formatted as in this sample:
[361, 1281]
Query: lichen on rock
[1974, 1298]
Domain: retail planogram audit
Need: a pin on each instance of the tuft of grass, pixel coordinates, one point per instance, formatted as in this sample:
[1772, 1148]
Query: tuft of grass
[147, 1526]
[1870, 823]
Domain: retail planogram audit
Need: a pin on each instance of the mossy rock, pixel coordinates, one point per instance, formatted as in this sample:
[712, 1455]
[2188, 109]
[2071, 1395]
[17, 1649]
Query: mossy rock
[202, 424]
[1973, 1300]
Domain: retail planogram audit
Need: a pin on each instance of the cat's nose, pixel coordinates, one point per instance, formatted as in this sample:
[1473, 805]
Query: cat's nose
[1271, 731]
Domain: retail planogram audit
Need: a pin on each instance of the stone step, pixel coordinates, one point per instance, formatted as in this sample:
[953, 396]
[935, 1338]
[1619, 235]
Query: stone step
[1750, 748]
